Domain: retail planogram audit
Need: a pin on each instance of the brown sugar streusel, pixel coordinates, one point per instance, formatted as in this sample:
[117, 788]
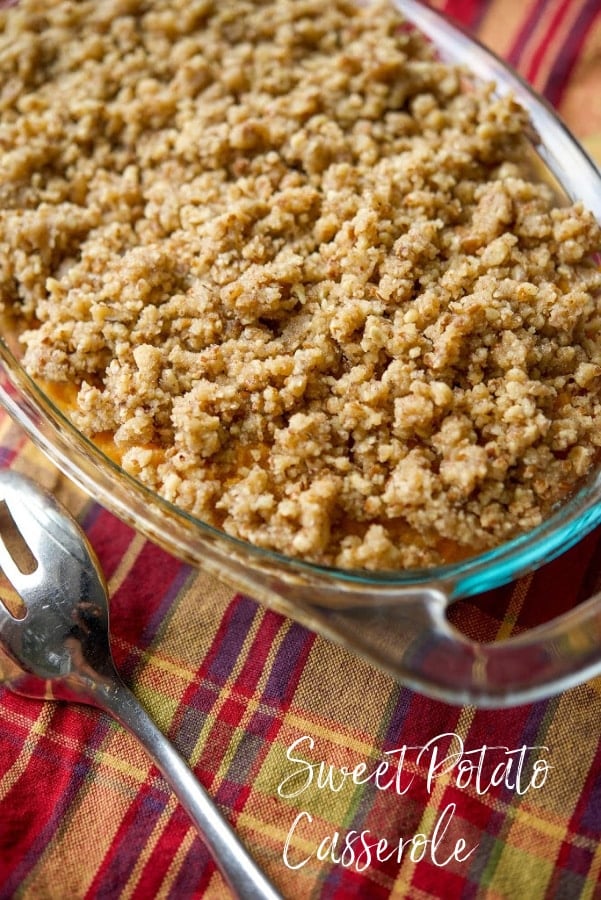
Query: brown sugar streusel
[301, 273]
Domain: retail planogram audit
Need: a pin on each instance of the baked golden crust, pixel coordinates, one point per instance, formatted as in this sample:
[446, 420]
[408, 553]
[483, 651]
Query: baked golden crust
[302, 272]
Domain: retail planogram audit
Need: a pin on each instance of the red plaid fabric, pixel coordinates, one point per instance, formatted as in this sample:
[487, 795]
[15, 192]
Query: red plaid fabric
[343, 783]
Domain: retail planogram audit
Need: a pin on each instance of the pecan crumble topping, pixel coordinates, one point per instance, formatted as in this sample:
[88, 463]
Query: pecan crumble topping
[300, 270]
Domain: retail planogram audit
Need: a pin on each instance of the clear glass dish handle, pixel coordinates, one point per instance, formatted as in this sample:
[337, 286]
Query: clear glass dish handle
[446, 664]
[412, 639]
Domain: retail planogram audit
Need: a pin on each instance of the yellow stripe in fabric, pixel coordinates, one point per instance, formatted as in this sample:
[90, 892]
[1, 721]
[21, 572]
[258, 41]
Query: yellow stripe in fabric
[121, 766]
[402, 884]
[126, 563]
[62, 740]
[156, 660]
[148, 849]
[248, 824]
[535, 822]
[537, 35]
[93, 819]
[215, 890]
[531, 842]
[581, 104]
[12, 775]
[175, 865]
[571, 752]
[188, 633]
[327, 664]
[229, 694]
[518, 596]
[236, 739]
[554, 45]
[512, 15]
[310, 726]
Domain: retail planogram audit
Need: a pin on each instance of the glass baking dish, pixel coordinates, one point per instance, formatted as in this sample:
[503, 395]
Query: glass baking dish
[397, 621]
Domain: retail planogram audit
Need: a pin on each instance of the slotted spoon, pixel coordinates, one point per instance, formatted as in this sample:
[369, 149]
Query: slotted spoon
[58, 648]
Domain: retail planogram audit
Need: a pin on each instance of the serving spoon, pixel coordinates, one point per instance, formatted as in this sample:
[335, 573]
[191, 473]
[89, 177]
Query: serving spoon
[54, 644]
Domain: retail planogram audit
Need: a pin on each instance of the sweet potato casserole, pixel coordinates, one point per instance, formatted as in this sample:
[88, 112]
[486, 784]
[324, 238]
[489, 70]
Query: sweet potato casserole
[302, 274]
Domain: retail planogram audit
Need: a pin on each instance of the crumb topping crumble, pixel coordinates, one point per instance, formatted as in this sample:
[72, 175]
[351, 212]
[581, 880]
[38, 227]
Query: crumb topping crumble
[301, 270]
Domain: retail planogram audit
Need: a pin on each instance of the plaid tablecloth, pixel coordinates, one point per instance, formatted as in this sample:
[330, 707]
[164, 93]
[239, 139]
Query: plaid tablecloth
[268, 713]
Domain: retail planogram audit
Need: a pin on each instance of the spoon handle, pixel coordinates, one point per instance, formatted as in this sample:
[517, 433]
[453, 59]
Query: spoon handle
[238, 868]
